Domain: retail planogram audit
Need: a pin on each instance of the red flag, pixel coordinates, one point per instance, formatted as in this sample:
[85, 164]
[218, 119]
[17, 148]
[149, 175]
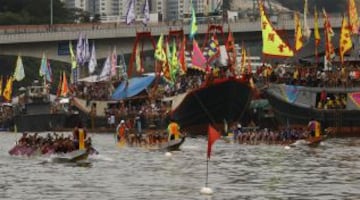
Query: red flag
[212, 137]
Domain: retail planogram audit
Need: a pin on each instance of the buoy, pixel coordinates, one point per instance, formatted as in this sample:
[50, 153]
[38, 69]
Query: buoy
[206, 190]
[168, 154]
[287, 147]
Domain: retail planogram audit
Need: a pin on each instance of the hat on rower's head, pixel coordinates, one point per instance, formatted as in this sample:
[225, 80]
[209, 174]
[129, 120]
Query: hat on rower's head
[122, 121]
[239, 125]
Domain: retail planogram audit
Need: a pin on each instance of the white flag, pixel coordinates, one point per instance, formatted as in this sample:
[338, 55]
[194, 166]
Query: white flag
[19, 73]
[80, 50]
[146, 11]
[93, 61]
[86, 50]
[106, 69]
[130, 14]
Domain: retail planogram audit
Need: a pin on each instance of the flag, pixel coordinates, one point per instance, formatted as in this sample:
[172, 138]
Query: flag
[298, 32]
[1, 85]
[106, 69]
[273, 45]
[80, 50]
[123, 68]
[316, 29]
[213, 49]
[159, 51]
[198, 60]
[353, 17]
[193, 28]
[92, 62]
[243, 59]
[64, 86]
[174, 63]
[213, 135]
[345, 42]
[130, 14]
[19, 73]
[72, 56]
[48, 74]
[230, 47]
[329, 33]
[139, 68]
[43, 66]
[146, 11]
[113, 62]
[182, 62]
[86, 49]
[8, 89]
[306, 30]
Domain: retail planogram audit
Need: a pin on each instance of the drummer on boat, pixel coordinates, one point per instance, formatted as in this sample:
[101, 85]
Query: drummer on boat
[79, 136]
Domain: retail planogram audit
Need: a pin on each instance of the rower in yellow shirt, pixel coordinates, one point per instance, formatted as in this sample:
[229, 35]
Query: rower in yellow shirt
[173, 130]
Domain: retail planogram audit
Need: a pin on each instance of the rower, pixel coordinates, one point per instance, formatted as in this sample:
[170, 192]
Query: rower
[314, 128]
[173, 130]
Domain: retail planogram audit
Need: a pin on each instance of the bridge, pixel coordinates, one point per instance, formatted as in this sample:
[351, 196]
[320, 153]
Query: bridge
[33, 40]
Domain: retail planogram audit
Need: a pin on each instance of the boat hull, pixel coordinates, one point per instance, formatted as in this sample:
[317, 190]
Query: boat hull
[292, 114]
[220, 101]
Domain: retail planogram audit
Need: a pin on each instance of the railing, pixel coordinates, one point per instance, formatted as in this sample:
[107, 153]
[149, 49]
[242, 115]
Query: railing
[58, 32]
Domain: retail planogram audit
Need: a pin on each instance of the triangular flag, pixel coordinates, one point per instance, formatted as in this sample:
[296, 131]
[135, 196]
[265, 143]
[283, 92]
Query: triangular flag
[193, 28]
[213, 135]
[48, 74]
[8, 89]
[316, 28]
[298, 33]
[130, 14]
[329, 33]
[106, 68]
[43, 66]
[72, 56]
[93, 61]
[243, 59]
[198, 60]
[64, 86]
[113, 62]
[182, 62]
[273, 45]
[19, 73]
[214, 49]
[174, 64]
[138, 64]
[146, 11]
[159, 51]
[306, 30]
[353, 16]
[345, 38]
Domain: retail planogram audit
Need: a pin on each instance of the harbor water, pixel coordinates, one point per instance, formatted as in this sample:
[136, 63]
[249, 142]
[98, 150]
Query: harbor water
[330, 171]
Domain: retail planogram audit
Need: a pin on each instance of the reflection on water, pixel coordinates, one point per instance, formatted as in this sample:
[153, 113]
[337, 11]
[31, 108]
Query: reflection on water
[331, 171]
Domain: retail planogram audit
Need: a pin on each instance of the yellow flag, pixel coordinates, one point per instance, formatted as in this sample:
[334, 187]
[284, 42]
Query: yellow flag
[243, 59]
[316, 29]
[298, 32]
[72, 56]
[273, 45]
[8, 89]
[345, 42]
[353, 16]
[159, 51]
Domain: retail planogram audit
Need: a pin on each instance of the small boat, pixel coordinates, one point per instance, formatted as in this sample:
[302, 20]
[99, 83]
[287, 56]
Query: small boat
[172, 145]
[74, 156]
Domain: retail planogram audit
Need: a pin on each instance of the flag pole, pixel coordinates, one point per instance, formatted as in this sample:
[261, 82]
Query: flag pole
[207, 172]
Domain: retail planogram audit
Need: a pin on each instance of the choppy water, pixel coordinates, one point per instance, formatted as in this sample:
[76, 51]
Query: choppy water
[331, 171]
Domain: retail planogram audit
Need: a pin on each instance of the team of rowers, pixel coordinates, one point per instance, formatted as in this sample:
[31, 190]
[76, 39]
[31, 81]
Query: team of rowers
[55, 143]
[284, 136]
[152, 137]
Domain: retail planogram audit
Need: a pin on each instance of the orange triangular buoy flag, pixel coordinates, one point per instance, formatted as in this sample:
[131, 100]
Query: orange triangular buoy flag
[8, 89]
[213, 135]
[353, 16]
[345, 42]
[273, 45]
[64, 86]
[298, 32]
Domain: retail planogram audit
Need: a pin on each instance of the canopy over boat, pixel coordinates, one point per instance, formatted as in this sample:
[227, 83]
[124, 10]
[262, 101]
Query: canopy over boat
[132, 87]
